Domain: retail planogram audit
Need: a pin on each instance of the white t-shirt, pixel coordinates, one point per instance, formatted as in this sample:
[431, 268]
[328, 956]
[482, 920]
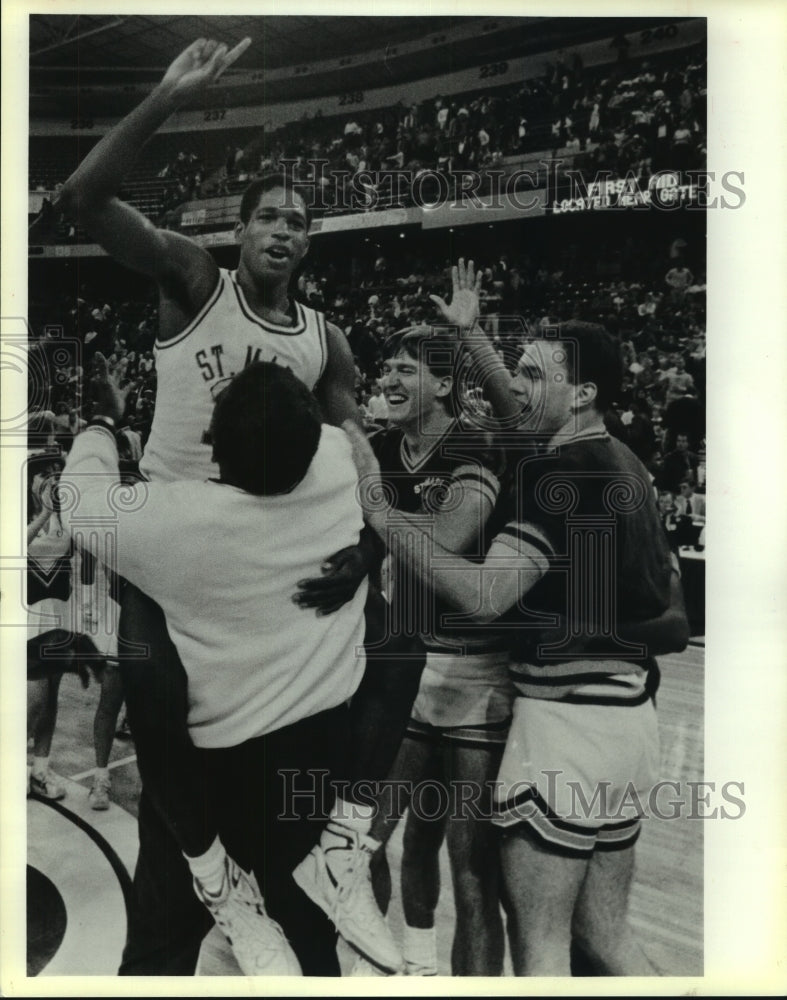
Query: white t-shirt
[255, 661]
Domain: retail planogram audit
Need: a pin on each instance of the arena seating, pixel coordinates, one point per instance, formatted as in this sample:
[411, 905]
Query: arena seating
[638, 116]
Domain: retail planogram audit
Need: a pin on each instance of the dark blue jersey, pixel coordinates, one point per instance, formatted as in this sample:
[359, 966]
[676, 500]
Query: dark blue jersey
[431, 483]
[586, 512]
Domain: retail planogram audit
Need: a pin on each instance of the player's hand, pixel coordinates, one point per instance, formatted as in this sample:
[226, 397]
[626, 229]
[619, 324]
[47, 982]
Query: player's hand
[200, 64]
[344, 571]
[342, 575]
[464, 308]
[109, 400]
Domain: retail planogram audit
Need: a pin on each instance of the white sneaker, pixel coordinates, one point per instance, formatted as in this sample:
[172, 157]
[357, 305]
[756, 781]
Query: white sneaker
[258, 943]
[99, 793]
[348, 899]
[46, 786]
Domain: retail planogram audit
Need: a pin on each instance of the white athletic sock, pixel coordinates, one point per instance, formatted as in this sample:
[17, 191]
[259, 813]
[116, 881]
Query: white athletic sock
[353, 814]
[209, 867]
[420, 950]
[40, 766]
[101, 772]
[348, 823]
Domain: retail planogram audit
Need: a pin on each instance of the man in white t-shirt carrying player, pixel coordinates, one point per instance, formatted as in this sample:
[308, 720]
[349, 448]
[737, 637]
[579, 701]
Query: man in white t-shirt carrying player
[267, 685]
[212, 323]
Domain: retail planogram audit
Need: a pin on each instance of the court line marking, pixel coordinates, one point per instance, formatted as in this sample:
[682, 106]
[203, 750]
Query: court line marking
[101, 842]
[112, 764]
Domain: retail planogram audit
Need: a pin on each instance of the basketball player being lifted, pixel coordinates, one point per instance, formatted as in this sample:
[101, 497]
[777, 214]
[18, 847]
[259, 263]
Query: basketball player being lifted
[213, 322]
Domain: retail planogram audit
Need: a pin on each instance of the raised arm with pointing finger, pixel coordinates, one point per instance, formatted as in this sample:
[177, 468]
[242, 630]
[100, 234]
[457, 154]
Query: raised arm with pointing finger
[214, 323]
[185, 272]
[239, 314]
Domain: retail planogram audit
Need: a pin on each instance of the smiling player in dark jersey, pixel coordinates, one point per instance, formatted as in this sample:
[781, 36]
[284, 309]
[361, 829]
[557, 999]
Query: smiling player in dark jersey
[584, 720]
[436, 467]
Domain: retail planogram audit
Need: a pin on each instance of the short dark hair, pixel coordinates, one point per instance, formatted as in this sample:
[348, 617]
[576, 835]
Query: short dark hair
[596, 358]
[438, 352]
[269, 182]
[265, 430]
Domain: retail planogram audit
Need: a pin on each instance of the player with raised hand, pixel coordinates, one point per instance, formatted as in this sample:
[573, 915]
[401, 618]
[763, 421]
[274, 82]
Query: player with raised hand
[212, 323]
[584, 716]
[90, 194]
[487, 368]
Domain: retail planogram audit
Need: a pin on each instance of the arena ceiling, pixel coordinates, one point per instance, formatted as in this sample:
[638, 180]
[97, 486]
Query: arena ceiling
[99, 64]
[140, 42]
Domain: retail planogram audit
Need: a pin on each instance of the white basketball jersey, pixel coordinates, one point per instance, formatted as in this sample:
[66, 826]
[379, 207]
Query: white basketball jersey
[221, 340]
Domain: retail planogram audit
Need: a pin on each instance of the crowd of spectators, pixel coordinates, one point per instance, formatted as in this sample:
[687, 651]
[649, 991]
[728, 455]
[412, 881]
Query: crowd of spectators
[637, 116]
[650, 120]
[63, 353]
[662, 339]
[183, 178]
[641, 117]
[660, 324]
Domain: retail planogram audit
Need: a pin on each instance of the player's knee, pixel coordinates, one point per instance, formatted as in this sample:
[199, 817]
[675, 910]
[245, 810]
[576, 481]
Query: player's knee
[470, 893]
[422, 837]
[473, 847]
[475, 881]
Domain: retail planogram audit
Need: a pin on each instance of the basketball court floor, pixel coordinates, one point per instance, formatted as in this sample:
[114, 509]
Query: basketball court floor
[80, 862]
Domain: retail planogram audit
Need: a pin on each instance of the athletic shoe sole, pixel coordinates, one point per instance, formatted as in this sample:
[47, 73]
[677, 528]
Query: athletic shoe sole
[307, 881]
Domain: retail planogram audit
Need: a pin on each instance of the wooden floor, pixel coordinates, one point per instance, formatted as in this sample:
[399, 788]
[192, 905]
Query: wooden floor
[90, 855]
